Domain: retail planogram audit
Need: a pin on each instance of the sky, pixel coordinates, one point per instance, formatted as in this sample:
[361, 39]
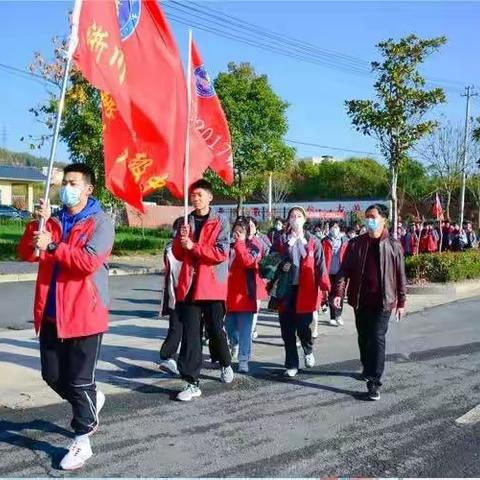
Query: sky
[316, 91]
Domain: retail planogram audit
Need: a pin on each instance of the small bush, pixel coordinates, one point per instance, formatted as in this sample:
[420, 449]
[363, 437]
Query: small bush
[444, 267]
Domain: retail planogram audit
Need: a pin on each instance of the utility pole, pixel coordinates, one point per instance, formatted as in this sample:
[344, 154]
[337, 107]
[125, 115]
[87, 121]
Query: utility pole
[468, 94]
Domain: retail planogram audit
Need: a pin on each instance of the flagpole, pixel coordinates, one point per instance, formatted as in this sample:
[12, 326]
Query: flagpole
[186, 182]
[72, 45]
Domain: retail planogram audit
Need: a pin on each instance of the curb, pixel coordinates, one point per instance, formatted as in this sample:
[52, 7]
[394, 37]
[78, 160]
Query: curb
[113, 272]
[449, 290]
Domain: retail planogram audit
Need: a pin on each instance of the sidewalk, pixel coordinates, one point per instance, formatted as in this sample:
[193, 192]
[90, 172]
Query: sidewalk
[129, 355]
[11, 271]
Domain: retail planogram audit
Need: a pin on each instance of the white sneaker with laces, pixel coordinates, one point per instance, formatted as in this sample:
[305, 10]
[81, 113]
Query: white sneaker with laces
[189, 392]
[227, 375]
[340, 321]
[291, 372]
[169, 366]
[78, 453]
[333, 323]
[309, 360]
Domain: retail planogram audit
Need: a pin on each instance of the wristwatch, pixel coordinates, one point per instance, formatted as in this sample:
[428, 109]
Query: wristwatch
[51, 247]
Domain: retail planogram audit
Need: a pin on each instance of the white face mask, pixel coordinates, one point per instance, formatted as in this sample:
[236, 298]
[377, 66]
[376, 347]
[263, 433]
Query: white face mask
[297, 223]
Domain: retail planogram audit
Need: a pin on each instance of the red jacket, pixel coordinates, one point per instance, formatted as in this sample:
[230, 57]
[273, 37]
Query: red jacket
[328, 251]
[427, 243]
[82, 282]
[313, 273]
[206, 263]
[242, 285]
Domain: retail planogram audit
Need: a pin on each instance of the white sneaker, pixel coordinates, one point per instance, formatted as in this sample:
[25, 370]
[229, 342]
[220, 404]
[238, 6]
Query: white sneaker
[227, 375]
[243, 367]
[234, 352]
[169, 366]
[254, 335]
[309, 360]
[291, 372]
[340, 321]
[333, 323]
[78, 453]
[189, 392]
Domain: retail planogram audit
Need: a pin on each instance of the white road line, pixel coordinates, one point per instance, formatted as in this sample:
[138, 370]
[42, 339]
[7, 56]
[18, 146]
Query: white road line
[473, 416]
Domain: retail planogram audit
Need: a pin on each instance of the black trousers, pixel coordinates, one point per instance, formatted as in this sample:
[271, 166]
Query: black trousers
[68, 367]
[174, 336]
[190, 358]
[293, 324]
[334, 312]
[372, 326]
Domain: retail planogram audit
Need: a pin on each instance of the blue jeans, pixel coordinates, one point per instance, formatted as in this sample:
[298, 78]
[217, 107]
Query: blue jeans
[239, 327]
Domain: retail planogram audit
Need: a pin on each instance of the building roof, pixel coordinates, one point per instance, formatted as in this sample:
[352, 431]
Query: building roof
[19, 173]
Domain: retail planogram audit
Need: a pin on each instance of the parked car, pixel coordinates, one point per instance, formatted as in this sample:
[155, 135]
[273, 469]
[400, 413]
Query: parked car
[25, 214]
[6, 211]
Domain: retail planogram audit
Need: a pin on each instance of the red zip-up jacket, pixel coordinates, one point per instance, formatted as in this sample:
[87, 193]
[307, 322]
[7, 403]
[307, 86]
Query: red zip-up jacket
[260, 245]
[242, 285]
[82, 283]
[328, 251]
[206, 265]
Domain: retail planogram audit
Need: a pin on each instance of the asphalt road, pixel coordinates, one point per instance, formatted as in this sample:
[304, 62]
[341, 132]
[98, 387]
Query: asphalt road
[318, 424]
[132, 296]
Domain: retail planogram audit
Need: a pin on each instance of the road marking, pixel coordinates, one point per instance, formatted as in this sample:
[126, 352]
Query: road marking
[473, 416]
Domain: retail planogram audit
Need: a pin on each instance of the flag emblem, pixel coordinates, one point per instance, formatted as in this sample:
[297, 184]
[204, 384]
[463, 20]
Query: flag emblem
[128, 16]
[203, 83]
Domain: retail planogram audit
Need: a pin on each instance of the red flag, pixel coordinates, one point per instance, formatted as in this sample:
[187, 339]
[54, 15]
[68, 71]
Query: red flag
[437, 210]
[210, 143]
[126, 49]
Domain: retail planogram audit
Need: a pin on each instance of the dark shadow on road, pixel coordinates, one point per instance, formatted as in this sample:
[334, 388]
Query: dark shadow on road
[138, 301]
[135, 313]
[270, 344]
[9, 434]
[139, 331]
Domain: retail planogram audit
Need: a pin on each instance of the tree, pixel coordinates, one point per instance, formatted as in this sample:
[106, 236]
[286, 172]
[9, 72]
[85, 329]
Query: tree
[257, 119]
[81, 127]
[282, 184]
[394, 117]
[442, 151]
[473, 181]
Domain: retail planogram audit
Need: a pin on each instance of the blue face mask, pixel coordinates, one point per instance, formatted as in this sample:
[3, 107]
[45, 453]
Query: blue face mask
[70, 196]
[372, 224]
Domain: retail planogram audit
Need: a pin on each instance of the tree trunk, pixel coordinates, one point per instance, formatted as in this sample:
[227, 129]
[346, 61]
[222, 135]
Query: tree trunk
[394, 199]
[447, 210]
[239, 205]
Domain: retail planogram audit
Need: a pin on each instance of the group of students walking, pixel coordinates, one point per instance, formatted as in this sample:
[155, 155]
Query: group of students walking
[216, 277]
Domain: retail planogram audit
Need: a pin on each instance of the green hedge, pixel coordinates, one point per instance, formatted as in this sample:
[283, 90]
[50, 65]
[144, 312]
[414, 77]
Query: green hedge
[444, 267]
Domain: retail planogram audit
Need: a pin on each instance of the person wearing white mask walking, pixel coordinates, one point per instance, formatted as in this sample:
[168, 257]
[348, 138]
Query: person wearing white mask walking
[303, 262]
[334, 247]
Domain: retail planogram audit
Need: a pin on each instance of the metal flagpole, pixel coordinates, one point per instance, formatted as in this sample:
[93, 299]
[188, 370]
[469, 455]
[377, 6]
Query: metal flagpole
[186, 182]
[72, 45]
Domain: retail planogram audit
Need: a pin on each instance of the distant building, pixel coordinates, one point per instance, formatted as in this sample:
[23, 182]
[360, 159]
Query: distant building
[14, 176]
[317, 160]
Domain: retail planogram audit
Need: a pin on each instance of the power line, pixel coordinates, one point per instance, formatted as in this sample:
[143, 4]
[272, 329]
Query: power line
[26, 74]
[316, 145]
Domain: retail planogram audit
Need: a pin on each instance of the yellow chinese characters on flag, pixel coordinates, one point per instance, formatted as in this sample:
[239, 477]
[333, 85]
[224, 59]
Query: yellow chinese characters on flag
[132, 172]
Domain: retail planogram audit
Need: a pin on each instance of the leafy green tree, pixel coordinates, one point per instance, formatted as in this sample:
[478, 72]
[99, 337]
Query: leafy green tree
[394, 118]
[257, 119]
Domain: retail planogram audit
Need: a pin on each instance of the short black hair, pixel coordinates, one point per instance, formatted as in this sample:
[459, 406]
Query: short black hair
[203, 184]
[82, 168]
[242, 222]
[253, 220]
[382, 209]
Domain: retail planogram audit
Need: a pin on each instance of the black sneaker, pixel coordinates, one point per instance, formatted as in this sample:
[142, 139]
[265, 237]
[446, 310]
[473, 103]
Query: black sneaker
[373, 391]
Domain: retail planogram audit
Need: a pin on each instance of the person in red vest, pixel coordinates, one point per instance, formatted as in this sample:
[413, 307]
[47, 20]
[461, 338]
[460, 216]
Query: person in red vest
[304, 263]
[427, 243]
[71, 300]
[334, 247]
[203, 247]
[242, 294]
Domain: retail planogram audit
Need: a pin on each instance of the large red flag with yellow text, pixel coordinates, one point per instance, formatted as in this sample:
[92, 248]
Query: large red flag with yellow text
[126, 49]
[210, 143]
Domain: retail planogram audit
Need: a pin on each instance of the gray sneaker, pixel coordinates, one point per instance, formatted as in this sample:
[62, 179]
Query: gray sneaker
[243, 366]
[189, 392]
[227, 375]
[169, 366]
[309, 360]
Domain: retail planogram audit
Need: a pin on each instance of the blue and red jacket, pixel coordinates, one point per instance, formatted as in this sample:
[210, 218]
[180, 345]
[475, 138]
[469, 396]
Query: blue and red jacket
[205, 267]
[80, 266]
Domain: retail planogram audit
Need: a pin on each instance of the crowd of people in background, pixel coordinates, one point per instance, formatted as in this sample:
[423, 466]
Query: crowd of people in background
[427, 237]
